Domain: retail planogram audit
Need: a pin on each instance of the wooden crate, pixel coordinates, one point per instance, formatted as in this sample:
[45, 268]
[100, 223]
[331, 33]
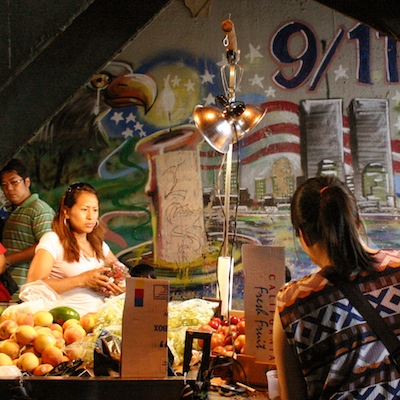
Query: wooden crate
[253, 370]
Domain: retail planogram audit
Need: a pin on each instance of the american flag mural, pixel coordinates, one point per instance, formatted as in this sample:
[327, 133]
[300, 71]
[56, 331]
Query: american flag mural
[276, 136]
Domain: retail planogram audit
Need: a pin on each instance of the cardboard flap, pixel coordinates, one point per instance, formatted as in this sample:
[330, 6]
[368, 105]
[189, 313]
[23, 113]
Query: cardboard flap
[264, 268]
[144, 329]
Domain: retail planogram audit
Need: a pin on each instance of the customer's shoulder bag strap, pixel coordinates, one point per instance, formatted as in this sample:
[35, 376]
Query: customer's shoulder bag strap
[370, 314]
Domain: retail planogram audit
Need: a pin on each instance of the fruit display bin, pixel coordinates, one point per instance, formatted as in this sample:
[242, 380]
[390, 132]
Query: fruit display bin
[66, 388]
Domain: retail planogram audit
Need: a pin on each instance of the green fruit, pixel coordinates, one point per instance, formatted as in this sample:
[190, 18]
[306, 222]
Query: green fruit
[1, 309]
[61, 314]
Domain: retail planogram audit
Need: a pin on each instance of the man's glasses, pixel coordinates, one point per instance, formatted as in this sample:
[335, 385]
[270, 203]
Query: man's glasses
[14, 183]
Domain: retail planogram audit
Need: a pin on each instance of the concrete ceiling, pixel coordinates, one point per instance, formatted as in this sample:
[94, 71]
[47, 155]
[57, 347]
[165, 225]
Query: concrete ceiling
[49, 50]
[381, 15]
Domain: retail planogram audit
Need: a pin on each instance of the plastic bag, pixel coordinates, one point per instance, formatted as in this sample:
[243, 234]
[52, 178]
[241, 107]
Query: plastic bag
[36, 296]
[9, 371]
[38, 290]
[82, 350]
[117, 273]
[110, 315]
[193, 312]
[182, 316]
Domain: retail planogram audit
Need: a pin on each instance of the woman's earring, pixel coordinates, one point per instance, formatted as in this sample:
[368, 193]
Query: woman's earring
[65, 222]
[97, 224]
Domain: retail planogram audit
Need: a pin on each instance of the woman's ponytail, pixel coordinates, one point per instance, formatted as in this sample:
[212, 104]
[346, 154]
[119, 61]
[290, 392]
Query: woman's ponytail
[327, 213]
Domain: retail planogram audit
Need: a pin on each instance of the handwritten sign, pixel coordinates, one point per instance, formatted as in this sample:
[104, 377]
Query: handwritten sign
[179, 207]
[264, 268]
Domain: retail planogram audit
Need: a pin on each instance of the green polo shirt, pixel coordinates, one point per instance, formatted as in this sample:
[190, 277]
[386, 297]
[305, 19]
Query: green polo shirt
[23, 229]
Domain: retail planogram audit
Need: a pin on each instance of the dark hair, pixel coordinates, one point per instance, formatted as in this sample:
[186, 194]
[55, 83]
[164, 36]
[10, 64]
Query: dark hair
[63, 229]
[143, 270]
[327, 213]
[17, 166]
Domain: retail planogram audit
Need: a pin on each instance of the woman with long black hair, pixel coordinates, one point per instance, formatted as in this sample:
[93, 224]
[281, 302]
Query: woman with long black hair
[324, 349]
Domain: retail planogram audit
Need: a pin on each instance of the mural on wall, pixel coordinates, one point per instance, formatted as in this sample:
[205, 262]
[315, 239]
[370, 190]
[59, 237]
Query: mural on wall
[130, 132]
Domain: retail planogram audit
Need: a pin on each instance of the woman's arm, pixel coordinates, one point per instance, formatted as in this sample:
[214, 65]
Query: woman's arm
[292, 385]
[42, 265]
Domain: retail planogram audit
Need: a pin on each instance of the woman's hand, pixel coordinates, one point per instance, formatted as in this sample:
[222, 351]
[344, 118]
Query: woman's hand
[116, 289]
[95, 279]
[98, 280]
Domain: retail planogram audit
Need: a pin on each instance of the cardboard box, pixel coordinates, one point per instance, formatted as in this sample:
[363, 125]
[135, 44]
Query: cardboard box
[250, 370]
[264, 269]
[144, 329]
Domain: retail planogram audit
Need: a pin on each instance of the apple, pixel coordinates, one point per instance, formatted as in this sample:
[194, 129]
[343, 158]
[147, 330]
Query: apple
[219, 350]
[52, 355]
[42, 369]
[43, 341]
[87, 322]
[60, 342]
[217, 339]
[5, 359]
[28, 362]
[240, 342]
[241, 327]
[42, 318]
[7, 328]
[10, 347]
[206, 328]
[57, 334]
[25, 319]
[69, 322]
[55, 327]
[215, 322]
[74, 334]
[42, 329]
[25, 334]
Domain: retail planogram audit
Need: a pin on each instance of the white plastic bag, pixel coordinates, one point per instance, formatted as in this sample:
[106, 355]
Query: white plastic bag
[36, 296]
[38, 290]
[9, 371]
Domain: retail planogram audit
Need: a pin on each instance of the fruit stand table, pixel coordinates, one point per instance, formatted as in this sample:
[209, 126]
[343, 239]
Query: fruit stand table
[67, 388]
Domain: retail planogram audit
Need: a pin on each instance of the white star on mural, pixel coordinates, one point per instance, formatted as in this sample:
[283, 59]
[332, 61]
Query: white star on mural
[138, 126]
[142, 133]
[189, 85]
[207, 77]
[254, 53]
[117, 117]
[130, 118]
[257, 80]
[270, 92]
[396, 97]
[209, 99]
[175, 81]
[128, 132]
[340, 72]
[397, 124]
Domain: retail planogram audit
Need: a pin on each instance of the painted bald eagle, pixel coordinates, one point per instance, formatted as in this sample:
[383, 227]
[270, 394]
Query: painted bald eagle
[77, 126]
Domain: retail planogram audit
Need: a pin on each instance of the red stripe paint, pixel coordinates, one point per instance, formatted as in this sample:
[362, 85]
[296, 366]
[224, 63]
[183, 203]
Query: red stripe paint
[273, 149]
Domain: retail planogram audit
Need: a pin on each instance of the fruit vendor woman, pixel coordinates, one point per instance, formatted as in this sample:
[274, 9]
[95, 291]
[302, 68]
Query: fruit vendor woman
[71, 259]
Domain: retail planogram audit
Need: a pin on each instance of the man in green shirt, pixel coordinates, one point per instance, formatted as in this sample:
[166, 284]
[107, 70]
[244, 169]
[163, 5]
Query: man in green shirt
[29, 219]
